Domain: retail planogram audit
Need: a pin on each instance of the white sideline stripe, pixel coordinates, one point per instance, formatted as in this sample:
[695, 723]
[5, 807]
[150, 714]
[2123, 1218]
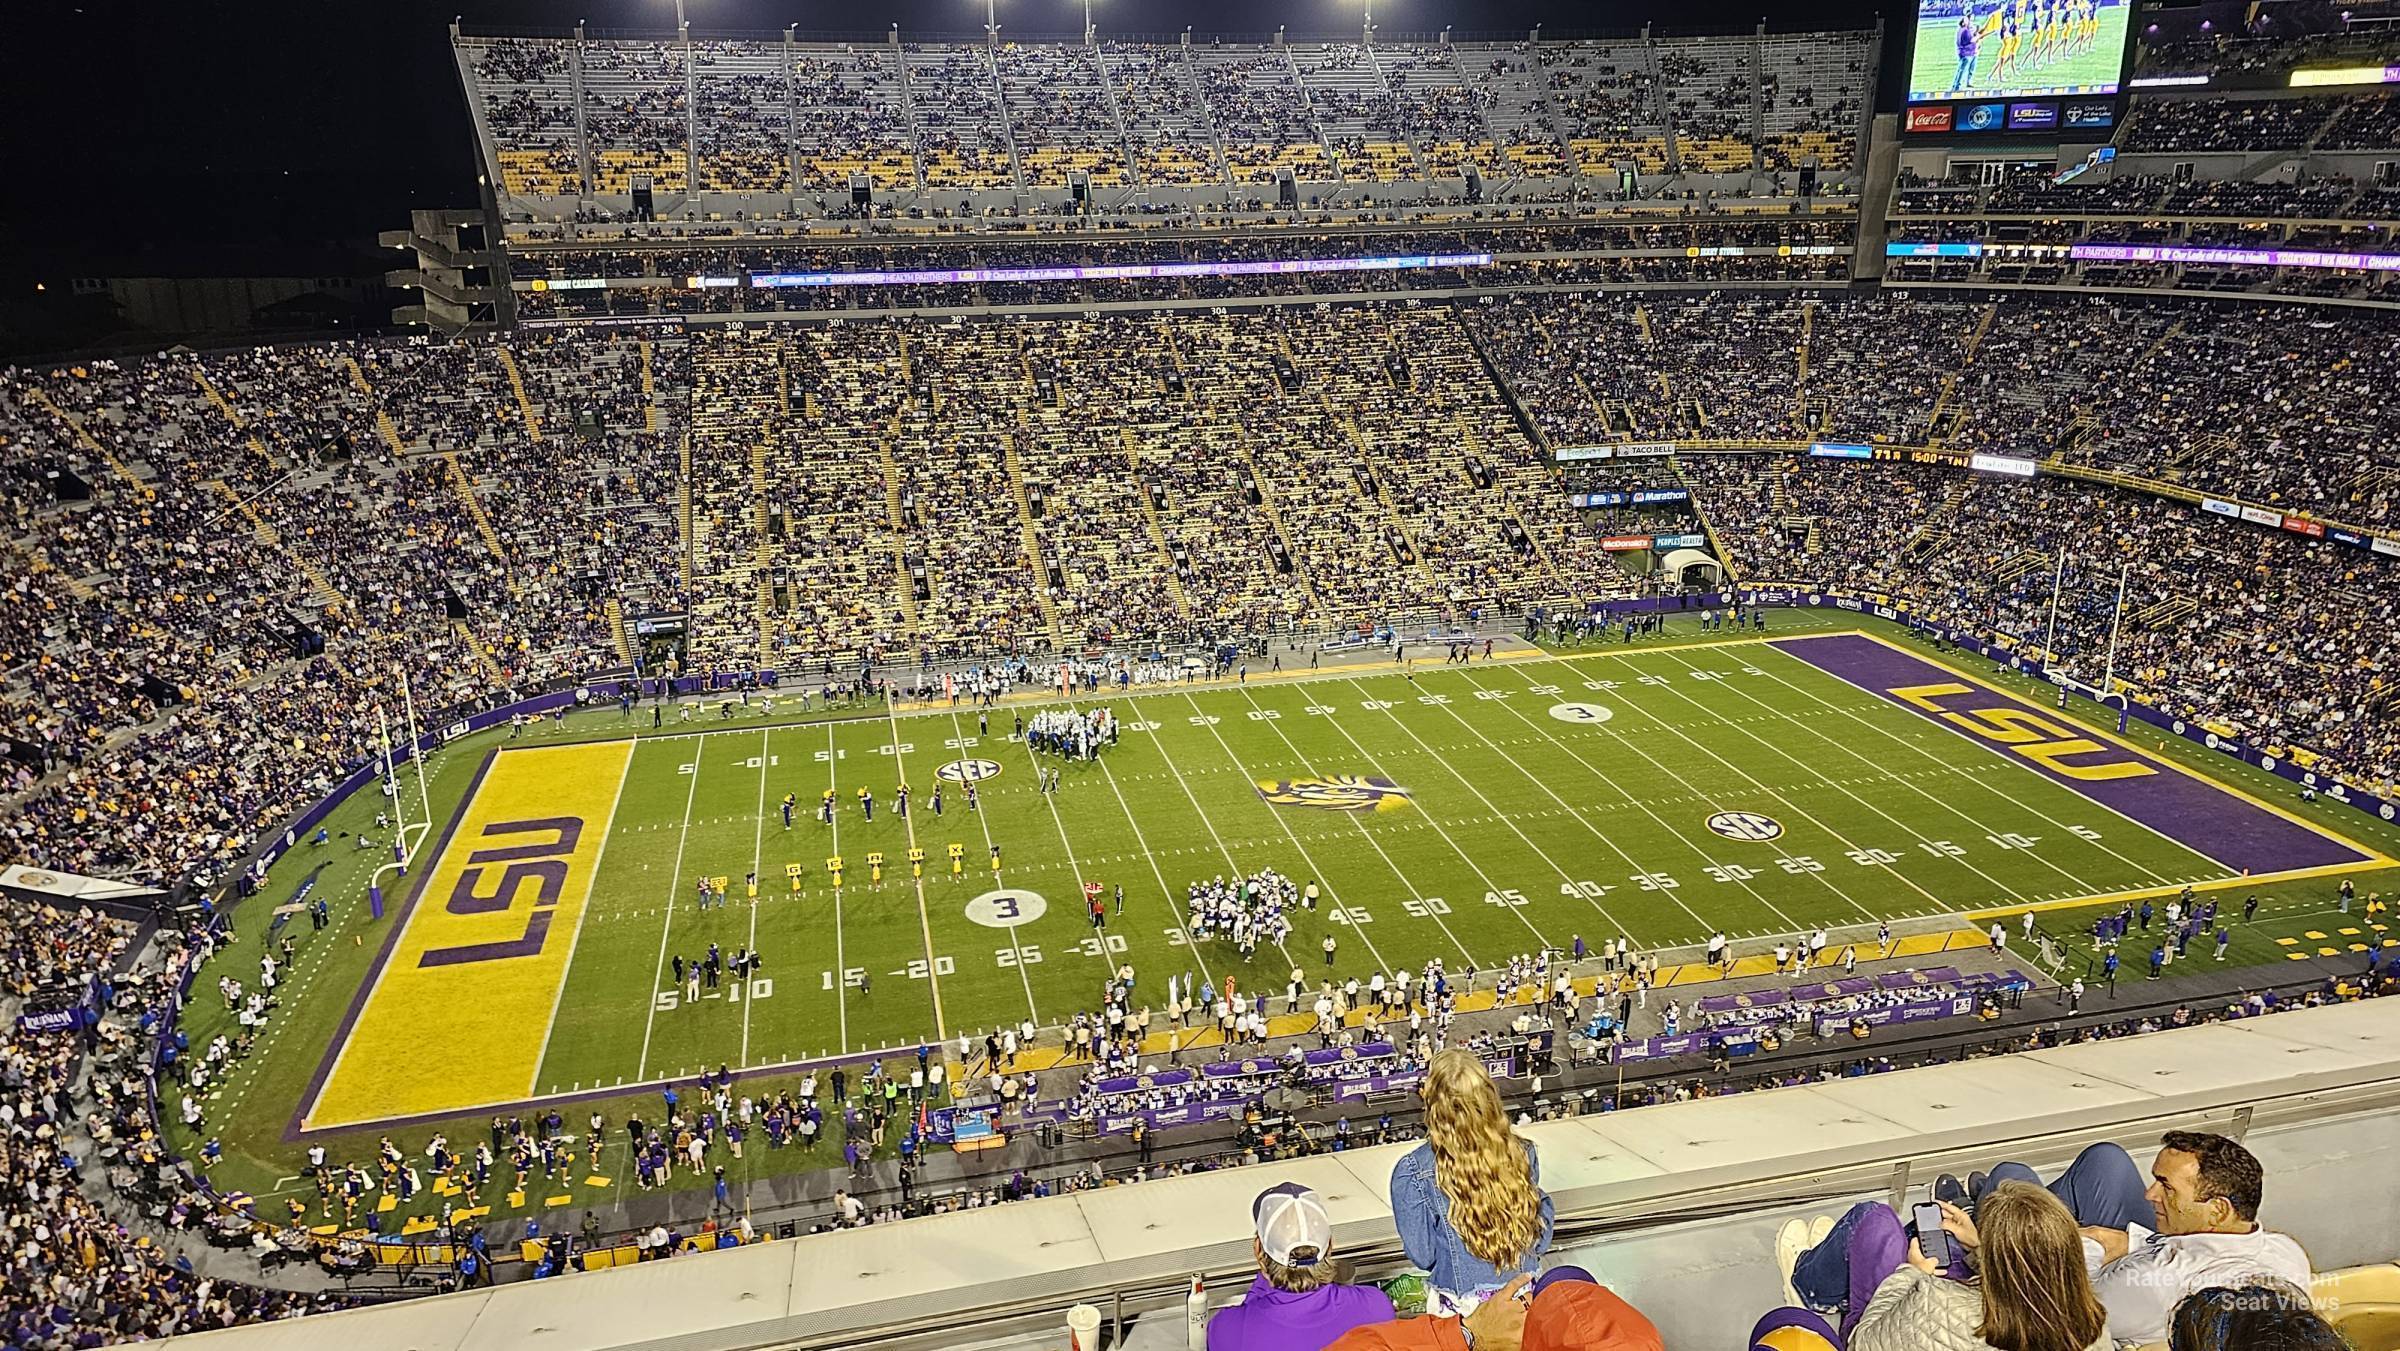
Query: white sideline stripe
[667, 923]
[958, 733]
[2216, 869]
[1920, 750]
[1317, 874]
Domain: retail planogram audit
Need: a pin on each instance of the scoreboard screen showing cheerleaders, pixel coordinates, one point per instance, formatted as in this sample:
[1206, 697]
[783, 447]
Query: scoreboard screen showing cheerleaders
[2017, 51]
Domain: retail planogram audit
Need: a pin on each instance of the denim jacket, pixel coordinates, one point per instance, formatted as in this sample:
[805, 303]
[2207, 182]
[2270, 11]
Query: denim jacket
[1422, 1213]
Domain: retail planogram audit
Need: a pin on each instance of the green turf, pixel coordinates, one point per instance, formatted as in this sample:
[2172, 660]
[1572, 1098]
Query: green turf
[1933, 63]
[1522, 831]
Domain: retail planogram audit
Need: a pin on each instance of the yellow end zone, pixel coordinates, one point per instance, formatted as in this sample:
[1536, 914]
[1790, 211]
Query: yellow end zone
[459, 1011]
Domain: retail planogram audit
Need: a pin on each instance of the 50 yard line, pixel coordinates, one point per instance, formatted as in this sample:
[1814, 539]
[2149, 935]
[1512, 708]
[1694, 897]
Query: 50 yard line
[674, 884]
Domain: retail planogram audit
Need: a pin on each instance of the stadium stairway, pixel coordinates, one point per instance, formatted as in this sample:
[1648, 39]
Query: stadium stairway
[1032, 538]
[85, 439]
[616, 631]
[1274, 515]
[1158, 535]
[465, 488]
[516, 384]
[649, 391]
[890, 466]
[217, 397]
[322, 592]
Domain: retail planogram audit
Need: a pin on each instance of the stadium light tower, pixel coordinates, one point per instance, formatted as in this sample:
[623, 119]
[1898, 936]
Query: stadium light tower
[1366, 32]
[1087, 23]
[991, 22]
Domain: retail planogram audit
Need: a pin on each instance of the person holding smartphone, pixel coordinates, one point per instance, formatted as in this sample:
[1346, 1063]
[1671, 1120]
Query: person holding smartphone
[2026, 1288]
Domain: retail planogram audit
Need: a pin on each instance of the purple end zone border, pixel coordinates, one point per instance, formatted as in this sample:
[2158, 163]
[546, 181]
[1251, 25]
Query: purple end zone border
[293, 1130]
[2199, 815]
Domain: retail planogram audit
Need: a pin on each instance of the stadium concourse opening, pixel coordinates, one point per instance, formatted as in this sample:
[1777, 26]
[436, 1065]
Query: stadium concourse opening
[917, 625]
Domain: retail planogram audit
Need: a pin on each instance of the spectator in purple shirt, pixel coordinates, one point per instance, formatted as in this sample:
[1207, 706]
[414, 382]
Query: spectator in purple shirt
[1300, 1301]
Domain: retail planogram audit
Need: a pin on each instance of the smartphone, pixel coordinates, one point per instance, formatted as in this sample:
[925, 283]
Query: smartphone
[1931, 1239]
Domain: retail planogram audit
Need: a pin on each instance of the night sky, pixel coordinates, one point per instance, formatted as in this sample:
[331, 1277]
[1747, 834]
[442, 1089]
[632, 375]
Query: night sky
[204, 136]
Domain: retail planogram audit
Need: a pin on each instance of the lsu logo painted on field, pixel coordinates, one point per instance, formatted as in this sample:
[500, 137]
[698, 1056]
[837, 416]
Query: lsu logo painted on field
[2043, 740]
[969, 771]
[1339, 792]
[1745, 826]
[459, 1011]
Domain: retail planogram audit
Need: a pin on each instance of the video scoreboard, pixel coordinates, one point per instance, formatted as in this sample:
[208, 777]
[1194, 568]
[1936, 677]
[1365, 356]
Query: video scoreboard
[2048, 70]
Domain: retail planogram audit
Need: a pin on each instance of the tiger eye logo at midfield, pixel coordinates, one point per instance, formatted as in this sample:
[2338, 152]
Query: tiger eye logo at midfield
[1338, 792]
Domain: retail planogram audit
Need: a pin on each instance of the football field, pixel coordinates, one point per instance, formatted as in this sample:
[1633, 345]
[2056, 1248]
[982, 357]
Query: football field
[1765, 786]
[2079, 64]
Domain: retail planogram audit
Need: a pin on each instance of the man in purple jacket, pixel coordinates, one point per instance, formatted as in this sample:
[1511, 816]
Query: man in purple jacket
[1299, 1301]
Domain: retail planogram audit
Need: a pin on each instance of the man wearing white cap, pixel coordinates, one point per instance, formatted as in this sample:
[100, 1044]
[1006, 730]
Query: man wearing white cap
[1298, 1302]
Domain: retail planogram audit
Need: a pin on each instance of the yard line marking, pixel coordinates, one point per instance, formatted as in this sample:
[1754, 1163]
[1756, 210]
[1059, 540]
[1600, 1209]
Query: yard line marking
[1927, 754]
[1490, 887]
[1837, 785]
[1149, 856]
[908, 819]
[599, 857]
[958, 733]
[758, 851]
[1822, 878]
[1644, 807]
[667, 922]
[1320, 877]
[1211, 827]
[841, 968]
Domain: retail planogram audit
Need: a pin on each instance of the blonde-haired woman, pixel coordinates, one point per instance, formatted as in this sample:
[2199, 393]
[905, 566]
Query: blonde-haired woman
[1468, 1202]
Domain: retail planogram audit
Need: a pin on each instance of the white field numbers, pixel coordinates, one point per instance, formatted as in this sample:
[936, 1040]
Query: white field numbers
[758, 987]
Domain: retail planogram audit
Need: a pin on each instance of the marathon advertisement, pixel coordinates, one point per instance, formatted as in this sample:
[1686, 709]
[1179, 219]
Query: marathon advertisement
[1638, 497]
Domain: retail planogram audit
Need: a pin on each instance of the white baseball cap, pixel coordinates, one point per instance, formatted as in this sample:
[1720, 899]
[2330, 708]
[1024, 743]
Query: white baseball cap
[1291, 1218]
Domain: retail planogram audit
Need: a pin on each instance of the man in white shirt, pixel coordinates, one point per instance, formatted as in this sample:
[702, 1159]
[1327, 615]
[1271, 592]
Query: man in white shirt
[2206, 1189]
[2203, 1192]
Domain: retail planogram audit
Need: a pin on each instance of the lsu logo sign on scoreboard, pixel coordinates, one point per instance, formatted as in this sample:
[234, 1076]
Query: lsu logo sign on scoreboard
[458, 1012]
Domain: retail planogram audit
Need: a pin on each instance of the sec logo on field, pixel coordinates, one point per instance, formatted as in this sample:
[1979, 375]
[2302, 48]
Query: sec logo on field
[969, 771]
[1745, 826]
[1583, 713]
